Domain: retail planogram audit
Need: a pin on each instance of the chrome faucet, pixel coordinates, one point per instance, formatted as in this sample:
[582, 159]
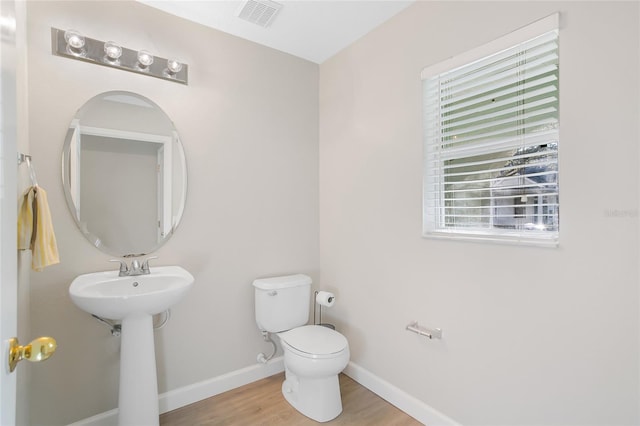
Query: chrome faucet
[135, 269]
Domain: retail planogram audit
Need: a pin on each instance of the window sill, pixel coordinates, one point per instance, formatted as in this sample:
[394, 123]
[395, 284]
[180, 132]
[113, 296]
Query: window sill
[546, 241]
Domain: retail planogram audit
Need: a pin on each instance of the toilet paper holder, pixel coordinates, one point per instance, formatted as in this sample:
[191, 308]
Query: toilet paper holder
[318, 306]
[431, 333]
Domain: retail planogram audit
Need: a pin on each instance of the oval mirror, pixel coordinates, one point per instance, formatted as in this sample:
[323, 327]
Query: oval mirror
[124, 174]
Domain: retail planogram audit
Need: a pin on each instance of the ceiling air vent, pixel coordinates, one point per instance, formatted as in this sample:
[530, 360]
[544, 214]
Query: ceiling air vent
[259, 12]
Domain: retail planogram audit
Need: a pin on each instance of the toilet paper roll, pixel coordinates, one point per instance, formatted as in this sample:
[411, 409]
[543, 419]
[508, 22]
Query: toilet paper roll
[325, 298]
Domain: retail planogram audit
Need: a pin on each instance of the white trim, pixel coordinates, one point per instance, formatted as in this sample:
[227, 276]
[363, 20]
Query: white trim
[515, 238]
[124, 134]
[186, 395]
[108, 418]
[206, 389]
[520, 35]
[395, 396]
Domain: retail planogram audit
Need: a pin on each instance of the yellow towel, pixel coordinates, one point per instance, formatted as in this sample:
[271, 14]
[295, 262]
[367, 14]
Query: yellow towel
[35, 229]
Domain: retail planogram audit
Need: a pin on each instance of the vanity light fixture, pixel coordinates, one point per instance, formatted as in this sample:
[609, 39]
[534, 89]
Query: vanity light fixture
[72, 44]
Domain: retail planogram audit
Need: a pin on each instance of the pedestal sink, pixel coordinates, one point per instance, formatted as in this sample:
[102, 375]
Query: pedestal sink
[133, 300]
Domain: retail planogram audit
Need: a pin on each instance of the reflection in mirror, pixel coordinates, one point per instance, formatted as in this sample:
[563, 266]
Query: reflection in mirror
[124, 174]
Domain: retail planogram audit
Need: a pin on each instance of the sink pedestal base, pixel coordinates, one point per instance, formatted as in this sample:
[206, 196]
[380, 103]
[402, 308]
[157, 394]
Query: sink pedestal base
[138, 395]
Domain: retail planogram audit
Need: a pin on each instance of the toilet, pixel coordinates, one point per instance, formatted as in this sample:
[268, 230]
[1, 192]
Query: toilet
[313, 355]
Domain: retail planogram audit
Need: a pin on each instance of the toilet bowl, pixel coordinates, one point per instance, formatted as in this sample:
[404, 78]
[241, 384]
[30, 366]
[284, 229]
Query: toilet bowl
[313, 357]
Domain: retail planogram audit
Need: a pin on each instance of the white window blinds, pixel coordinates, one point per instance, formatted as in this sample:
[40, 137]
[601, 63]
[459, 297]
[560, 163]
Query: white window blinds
[491, 142]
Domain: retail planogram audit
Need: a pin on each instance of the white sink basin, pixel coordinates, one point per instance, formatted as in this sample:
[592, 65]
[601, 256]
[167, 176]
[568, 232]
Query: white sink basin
[107, 295]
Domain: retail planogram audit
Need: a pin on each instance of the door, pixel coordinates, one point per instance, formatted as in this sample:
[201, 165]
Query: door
[8, 208]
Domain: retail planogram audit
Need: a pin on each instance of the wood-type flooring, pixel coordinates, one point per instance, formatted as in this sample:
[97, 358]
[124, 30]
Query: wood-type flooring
[261, 403]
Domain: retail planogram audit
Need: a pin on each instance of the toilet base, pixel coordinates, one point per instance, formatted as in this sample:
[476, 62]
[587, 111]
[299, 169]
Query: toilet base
[317, 398]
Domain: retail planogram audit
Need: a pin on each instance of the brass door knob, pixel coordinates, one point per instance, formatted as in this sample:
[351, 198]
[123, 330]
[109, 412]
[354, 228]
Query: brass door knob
[37, 350]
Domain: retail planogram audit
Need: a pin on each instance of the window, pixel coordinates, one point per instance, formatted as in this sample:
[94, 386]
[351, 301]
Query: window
[491, 140]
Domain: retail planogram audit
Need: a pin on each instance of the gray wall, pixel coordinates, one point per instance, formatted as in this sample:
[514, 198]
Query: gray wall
[531, 335]
[249, 124]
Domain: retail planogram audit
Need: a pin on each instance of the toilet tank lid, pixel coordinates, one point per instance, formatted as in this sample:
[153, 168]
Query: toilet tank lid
[287, 281]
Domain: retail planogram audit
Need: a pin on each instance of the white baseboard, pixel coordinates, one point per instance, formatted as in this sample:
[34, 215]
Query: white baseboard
[186, 395]
[395, 396]
[108, 418]
[206, 389]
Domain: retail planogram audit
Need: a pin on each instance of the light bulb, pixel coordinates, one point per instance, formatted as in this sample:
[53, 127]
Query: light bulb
[174, 66]
[112, 50]
[75, 41]
[145, 58]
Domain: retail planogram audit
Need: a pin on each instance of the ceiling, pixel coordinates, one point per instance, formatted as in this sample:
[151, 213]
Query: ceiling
[313, 30]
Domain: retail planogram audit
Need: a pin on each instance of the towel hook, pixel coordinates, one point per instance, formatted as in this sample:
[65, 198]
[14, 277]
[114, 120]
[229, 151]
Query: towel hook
[32, 172]
[25, 158]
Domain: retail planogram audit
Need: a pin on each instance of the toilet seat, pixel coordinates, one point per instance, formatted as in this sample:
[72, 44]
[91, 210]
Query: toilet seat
[314, 341]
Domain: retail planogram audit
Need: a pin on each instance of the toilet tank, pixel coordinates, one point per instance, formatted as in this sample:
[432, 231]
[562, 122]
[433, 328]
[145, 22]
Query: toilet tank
[282, 303]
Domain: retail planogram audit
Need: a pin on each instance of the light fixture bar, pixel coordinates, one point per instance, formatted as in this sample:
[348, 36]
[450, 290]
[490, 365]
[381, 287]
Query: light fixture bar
[141, 62]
